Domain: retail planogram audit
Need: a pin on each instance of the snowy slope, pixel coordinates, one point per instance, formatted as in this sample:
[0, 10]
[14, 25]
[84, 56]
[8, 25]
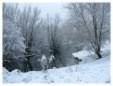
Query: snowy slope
[89, 56]
[97, 71]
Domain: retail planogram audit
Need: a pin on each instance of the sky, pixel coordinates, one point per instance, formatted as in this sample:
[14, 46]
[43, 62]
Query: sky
[51, 9]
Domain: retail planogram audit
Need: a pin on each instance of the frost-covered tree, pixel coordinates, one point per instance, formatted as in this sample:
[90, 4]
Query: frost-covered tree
[12, 37]
[30, 21]
[54, 40]
[13, 41]
[92, 19]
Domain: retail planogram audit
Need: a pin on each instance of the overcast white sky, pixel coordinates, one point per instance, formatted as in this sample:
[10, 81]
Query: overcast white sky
[51, 8]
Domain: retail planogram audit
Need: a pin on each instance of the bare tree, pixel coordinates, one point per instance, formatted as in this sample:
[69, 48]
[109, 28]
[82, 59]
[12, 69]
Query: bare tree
[54, 41]
[29, 20]
[91, 17]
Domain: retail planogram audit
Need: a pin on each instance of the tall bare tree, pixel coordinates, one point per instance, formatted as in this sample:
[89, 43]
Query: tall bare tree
[29, 20]
[91, 17]
[53, 39]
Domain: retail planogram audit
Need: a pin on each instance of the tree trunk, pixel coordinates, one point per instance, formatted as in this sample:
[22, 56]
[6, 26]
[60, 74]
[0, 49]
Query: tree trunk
[98, 53]
[29, 64]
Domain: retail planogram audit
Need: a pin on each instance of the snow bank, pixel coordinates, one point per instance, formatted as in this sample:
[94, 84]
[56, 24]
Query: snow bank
[86, 56]
[81, 54]
[89, 56]
[96, 72]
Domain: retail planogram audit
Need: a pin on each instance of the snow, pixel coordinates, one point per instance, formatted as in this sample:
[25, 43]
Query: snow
[89, 56]
[97, 71]
[86, 56]
[81, 54]
[51, 58]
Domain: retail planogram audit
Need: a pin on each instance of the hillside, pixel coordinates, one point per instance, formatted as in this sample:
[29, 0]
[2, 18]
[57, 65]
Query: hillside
[97, 71]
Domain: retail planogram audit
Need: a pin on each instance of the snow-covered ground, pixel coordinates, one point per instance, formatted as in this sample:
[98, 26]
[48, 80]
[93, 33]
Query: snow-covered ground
[97, 71]
[89, 56]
